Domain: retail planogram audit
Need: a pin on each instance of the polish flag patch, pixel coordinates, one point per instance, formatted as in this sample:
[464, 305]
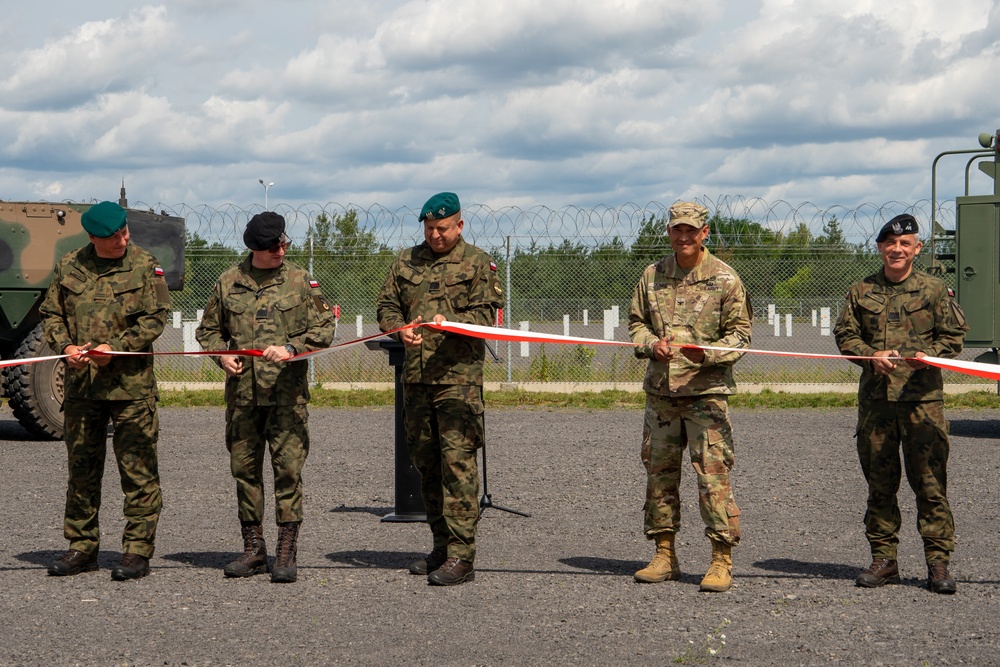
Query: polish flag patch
[493, 266]
[313, 283]
[951, 292]
[158, 271]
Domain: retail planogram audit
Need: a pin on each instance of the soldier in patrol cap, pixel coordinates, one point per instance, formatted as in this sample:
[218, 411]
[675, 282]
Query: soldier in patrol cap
[443, 278]
[266, 303]
[898, 316]
[108, 296]
[689, 298]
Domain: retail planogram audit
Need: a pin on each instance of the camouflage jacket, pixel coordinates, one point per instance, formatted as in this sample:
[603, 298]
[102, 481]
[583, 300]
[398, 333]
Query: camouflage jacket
[463, 286]
[917, 315]
[124, 305]
[708, 306]
[242, 315]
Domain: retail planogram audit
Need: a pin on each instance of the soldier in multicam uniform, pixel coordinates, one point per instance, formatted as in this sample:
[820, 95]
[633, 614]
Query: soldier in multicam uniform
[269, 304]
[893, 315]
[689, 298]
[108, 296]
[443, 278]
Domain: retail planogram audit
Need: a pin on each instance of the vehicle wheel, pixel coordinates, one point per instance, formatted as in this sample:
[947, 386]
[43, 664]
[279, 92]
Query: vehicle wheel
[35, 391]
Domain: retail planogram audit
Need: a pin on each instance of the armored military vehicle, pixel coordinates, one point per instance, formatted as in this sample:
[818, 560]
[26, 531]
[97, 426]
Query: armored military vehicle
[33, 236]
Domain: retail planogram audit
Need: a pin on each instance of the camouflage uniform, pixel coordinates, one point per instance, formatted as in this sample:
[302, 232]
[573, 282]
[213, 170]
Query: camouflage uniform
[443, 380]
[686, 402]
[266, 402]
[123, 303]
[905, 407]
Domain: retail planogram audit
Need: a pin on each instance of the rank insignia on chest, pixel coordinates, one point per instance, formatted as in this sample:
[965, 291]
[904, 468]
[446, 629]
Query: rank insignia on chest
[435, 286]
[893, 316]
[262, 313]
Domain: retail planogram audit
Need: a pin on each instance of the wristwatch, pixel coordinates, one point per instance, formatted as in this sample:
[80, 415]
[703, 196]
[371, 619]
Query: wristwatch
[291, 349]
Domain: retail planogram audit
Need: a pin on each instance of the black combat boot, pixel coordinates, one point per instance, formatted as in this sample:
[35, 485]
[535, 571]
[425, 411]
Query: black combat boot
[285, 571]
[433, 561]
[882, 571]
[73, 562]
[133, 566]
[254, 558]
[454, 571]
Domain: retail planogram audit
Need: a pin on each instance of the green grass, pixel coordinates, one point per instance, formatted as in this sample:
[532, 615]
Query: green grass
[604, 400]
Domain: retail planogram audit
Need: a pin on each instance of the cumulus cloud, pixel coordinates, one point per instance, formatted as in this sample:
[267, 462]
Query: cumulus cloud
[97, 57]
[561, 102]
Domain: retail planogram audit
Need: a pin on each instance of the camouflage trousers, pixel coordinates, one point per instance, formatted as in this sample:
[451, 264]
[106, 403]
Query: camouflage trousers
[250, 430]
[700, 424]
[444, 428]
[921, 431]
[136, 432]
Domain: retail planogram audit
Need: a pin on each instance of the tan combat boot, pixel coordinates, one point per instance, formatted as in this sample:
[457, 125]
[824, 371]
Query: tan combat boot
[720, 571]
[664, 564]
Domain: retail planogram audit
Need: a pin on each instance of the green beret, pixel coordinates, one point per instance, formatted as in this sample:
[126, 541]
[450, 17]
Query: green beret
[441, 205]
[104, 219]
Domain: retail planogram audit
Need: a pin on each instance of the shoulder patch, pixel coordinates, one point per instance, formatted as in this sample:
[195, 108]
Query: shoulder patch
[951, 292]
[158, 270]
[313, 283]
[493, 266]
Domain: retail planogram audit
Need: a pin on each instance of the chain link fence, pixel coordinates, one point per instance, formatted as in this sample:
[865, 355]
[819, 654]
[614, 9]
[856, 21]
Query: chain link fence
[566, 271]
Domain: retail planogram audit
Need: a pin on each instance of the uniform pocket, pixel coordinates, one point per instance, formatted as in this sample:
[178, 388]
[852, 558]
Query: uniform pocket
[294, 313]
[459, 288]
[919, 315]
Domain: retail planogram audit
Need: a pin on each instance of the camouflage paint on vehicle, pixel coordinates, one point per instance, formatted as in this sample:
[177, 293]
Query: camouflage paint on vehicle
[33, 236]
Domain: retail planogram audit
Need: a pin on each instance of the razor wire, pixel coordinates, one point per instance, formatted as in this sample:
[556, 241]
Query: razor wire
[567, 271]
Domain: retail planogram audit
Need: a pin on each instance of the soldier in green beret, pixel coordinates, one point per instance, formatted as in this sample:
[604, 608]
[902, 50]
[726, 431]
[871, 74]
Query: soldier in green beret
[443, 278]
[266, 303]
[896, 313]
[108, 295]
[695, 298]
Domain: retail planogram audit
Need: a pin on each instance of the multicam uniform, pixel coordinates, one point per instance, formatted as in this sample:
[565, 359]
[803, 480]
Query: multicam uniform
[122, 302]
[686, 402]
[443, 380]
[904, 407]
[266, 402]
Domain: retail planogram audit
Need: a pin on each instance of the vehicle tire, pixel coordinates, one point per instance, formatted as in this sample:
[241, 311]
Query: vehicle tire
[35, 390]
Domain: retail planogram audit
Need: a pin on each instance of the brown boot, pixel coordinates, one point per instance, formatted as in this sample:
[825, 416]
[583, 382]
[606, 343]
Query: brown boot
[254, 558]
[939, 579]
[720, 571]
[452, 572]
[882, 571]
[664, 565]
[285, 571]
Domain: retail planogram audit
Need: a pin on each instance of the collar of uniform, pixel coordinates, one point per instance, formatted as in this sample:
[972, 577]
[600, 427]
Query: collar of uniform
[246, 278]
[89, 260]
[456, 254]
[909, 283]
[696, 273]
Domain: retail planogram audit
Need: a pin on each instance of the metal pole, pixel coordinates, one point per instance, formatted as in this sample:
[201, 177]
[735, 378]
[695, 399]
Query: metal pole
[312, 361]
[507, 311]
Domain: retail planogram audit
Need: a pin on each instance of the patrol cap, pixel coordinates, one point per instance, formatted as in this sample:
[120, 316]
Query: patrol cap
[441, 205]
[104, 219]
[687, 213]
[901, 224]
[265, 230]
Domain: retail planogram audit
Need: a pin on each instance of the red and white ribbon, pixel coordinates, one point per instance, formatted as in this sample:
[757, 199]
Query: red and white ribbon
[977, 369]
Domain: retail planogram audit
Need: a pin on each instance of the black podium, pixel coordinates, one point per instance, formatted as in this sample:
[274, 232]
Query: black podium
[409, 504]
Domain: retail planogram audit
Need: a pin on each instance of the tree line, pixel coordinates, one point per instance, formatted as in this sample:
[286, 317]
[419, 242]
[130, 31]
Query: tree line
[351, 263]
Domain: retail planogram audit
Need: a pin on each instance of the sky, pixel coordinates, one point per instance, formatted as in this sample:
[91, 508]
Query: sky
[511, 103]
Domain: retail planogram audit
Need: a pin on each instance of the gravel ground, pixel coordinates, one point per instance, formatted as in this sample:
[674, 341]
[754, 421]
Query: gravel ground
[555, 588]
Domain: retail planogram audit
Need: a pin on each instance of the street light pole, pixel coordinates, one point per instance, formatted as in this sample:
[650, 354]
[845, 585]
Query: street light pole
[266, 187]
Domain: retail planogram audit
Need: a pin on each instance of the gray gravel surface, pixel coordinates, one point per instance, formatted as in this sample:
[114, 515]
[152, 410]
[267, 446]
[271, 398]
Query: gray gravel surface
[555, 588]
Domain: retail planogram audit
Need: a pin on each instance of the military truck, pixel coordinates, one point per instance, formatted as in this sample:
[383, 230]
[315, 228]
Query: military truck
[971, 251]
[33, 236]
